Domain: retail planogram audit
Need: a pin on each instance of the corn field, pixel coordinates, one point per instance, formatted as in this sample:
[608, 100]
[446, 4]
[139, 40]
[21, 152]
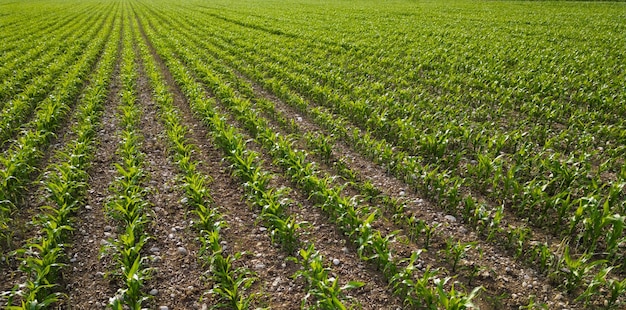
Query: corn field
[290, 154]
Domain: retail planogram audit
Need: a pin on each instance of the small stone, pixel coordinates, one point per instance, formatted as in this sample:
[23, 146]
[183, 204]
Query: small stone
[182, 250]
[450, 218]
[163, 308]
[108, 228]
[262, 228]
[336, 262]
[345, 250]
[103, 242]
[259, 266]
[173, 229]
[154, 292]
[171, 236]
[402, 193]
[154, 249]
[72, 260]
[88, 207]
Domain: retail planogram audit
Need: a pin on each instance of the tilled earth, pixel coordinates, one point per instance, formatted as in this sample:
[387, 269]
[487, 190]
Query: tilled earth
[179, 278]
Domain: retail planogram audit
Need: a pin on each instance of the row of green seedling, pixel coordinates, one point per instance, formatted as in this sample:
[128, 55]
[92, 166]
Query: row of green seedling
[26, 38]
[322, 145]
[38, 59]
[17, 36]
[17, 111]
[371, 245]
[400, 106]
[501, 181]
[42, 258]
[128, 204]
[439, 187]
[19, 162]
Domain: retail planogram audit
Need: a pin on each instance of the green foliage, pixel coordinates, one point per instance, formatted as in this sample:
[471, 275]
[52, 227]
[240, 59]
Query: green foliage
[325, 292]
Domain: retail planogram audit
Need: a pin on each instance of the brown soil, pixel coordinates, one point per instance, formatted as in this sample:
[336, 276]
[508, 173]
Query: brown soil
[177, 271]
[85, 282]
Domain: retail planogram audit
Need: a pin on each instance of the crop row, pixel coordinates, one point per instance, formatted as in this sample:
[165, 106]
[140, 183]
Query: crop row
[65, 182]
[18, 82]
[20, 160]
[18, 111]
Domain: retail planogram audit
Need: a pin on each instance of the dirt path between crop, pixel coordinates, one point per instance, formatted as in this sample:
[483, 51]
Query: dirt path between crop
[85, 282]
[177, 278]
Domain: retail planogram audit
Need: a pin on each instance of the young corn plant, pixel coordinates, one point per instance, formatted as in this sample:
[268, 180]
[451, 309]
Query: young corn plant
[573, 272]
[403, 283]
[594, 286]
[322, 144]
[452, 299]
[421, 228]
[230, 282]
[325, 292]
[455, 251]
[617, 291]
